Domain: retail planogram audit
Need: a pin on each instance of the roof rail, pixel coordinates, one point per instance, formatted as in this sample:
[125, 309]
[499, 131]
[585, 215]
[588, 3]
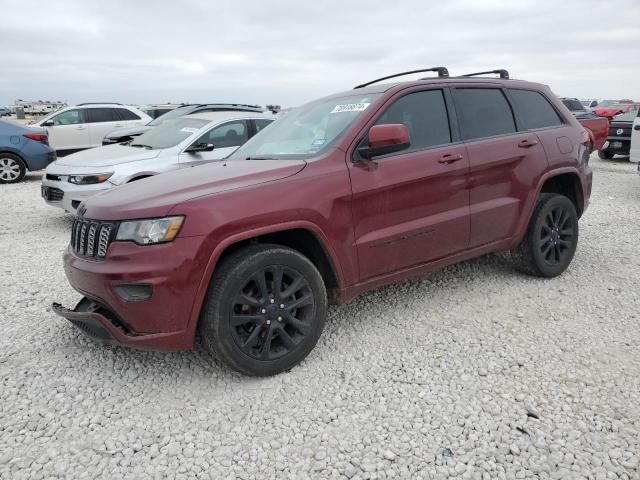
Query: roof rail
[502, 72]
[442, 72]
[98, 103]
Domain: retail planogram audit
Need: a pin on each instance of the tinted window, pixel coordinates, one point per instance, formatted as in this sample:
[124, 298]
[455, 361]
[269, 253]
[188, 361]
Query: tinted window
[97, 115]
[572, 105]
[232, 134]
[261, 123]
[424, 114]
[125, 114]
[483, 112]
[70, 117]
[534, 111]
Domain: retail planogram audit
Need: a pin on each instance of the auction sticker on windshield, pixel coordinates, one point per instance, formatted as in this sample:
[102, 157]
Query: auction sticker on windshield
[350, 107]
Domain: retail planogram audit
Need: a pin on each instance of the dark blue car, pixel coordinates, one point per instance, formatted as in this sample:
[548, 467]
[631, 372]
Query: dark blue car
[21, 149]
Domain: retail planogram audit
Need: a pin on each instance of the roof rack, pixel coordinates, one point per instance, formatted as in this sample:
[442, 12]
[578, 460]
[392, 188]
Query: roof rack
[502, 72]
[98, 103]
[442, 72]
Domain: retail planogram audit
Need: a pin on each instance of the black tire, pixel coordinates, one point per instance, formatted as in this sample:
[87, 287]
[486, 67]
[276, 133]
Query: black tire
[245, 314]
[551, 238]
[605, 154]
[12, 168]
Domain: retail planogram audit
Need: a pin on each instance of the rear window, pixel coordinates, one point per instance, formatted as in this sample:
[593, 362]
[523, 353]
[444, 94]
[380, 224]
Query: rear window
[573, 105]
[484, 112]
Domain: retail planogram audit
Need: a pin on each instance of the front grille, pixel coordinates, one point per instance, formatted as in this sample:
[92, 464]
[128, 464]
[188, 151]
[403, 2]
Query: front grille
[619, 130]
[55, 178]
[54, 194]
[91, 238]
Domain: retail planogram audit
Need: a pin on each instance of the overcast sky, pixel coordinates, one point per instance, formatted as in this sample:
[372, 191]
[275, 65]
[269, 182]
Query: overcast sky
[292, 51]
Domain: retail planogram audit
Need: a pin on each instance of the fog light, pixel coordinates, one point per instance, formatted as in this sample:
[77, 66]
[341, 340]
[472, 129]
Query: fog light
[134, 293]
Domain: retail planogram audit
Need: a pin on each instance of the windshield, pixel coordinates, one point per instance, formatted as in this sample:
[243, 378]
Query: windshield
[627, 117]
[175, 113]
[307, 130]
[574, 105]
[170, 133]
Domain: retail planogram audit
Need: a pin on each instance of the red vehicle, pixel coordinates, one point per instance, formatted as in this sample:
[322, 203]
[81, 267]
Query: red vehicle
[611, 108]
[339, 196]
[597, 128]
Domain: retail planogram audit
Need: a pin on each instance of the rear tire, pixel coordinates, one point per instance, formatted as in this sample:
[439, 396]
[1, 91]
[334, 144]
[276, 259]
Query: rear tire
[605, 155]
[12, 168]
[551, 238]
[264, 311]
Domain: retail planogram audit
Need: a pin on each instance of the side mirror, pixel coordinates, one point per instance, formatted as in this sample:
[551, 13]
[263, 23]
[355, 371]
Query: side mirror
[384, 139]
[200, 147]
[48, 123]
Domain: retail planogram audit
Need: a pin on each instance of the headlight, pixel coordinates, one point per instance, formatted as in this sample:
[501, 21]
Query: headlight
[89, 179]
[151, 231]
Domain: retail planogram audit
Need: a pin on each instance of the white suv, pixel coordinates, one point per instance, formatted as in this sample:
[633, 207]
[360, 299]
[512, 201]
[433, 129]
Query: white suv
[84, 125]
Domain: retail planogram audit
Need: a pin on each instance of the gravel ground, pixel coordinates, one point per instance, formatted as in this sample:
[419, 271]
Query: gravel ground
[473, 372]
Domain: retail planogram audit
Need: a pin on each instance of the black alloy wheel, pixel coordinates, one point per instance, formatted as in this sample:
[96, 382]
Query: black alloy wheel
[556, 235]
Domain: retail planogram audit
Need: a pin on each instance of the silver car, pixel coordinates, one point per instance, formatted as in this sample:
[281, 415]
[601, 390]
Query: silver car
[178, 143]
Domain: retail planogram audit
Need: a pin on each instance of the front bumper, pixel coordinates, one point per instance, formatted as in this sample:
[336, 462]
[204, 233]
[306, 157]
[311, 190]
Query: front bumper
[65, 195]
[164, 321]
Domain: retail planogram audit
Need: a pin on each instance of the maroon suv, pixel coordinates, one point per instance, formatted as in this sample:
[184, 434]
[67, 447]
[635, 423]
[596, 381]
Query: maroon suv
[344, 194]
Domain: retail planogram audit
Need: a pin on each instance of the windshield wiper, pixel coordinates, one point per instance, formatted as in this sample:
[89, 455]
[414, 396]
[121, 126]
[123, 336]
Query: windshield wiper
[149, 147]
[259, 158]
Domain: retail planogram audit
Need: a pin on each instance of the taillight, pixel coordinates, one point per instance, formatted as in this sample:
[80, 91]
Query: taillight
[38, 137]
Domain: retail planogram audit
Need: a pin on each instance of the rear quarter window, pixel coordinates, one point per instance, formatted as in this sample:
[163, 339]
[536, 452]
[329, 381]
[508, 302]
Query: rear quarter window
[534, 110]
[125, 114]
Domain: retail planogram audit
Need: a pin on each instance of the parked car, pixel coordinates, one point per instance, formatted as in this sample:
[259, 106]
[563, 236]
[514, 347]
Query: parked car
[182, 142]
[155, 111]
[597, 128]
[341, 195]
[619, 139]
[126, 134]
[83, 126]
[5, 112]
[634, 152]
[590, 104]
[22, 149]
[611, 108]
[575, 106]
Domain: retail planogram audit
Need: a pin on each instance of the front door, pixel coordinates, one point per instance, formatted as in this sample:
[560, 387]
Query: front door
[412, 207]
[69, 131]
[225, 138]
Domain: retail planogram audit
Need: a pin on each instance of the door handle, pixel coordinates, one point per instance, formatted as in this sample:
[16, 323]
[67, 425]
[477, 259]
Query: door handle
[527, 143]
[637, 127]
[448, 158]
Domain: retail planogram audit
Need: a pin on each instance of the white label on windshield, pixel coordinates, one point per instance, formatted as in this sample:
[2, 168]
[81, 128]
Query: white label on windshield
[189, 130]
[350, 107]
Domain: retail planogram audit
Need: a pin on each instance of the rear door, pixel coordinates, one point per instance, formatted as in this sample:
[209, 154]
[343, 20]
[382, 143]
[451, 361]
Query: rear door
[412, 206]
[634, 153]
[504, 163]
[225, 138]
[70, 130]
[101, 122]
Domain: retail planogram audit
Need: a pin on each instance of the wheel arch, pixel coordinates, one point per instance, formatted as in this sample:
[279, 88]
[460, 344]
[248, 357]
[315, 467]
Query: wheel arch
[565, 183]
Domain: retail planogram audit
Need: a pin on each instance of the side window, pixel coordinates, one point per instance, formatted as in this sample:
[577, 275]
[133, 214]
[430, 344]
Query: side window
[100, 115]
[534, 111]
[483, 112]
[125, 114]
[261, 123]
[424, 114]
[232, 134]
[70, 117]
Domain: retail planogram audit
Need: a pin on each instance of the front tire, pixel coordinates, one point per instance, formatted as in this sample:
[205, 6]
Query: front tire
[12, 168]
[551, 238]
[264, 311]
[605, 154]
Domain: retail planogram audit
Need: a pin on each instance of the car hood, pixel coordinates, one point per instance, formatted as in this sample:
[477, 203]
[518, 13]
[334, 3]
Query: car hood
[157, 196]
[107, 156]
[125, 132]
